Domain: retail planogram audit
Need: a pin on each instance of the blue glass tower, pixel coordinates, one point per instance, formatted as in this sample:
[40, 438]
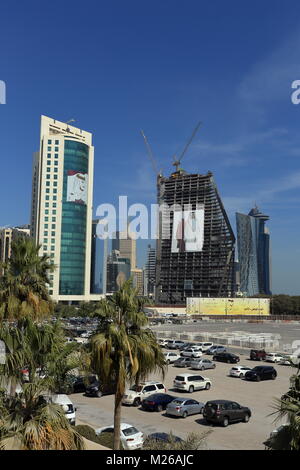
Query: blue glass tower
[253, 240]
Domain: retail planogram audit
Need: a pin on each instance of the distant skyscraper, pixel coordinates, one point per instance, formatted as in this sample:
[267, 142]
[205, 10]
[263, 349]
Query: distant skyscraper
[150, 270]
[118, 271]
[137, 280]
[96, 261]
[126, 245]
[254, 253]
[61, 210]
[197, 258]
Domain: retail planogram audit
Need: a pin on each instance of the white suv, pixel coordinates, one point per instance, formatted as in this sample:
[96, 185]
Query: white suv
[205, 346]
[171, 357]
[191, 382]
[135, 395]
[192, 352]
[273, 357]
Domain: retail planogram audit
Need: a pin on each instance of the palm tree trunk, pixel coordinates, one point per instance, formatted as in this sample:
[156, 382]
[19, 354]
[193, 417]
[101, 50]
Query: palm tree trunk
[117, 419]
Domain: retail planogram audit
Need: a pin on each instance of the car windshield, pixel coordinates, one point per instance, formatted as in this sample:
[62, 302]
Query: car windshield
[129, 431]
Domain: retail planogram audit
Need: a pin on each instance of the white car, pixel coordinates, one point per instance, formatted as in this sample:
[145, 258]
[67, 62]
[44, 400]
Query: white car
[205, 346]
[273, 357]
[239, 371]
[163, 342]
[171, 357]
[191, 382]
[192, 352]
[134, 395]
[131, 438]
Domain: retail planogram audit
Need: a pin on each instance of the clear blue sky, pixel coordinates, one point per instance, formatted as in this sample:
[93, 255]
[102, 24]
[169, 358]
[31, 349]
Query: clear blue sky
[163, 65]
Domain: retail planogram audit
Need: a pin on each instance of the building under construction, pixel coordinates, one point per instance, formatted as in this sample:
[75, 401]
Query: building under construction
[205, 271]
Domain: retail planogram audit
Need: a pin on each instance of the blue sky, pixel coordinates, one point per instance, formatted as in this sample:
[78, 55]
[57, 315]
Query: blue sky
[120, 66]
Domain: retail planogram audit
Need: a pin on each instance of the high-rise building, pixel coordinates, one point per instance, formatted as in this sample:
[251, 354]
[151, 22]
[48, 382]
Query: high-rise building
[254, 253]
[150, 271]
[118, 271]
[137, 280]
[7, 236]
[125, 243]
[61, 210]
[96, 261]
[195, 246]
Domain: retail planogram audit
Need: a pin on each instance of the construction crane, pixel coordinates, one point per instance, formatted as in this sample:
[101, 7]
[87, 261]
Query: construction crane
[150, 154]
[177, 161]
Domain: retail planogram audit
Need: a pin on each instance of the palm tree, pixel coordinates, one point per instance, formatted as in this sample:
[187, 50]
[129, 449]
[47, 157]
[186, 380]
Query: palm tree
[30, 422]
[123, 347]
[288, 407]
[23, 285]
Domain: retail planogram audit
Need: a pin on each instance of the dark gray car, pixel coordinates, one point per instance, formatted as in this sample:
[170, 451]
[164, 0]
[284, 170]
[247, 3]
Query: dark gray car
[183, 362]
[184, 407]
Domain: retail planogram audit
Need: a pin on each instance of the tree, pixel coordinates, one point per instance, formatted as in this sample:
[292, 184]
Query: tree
[288, 408]
[193, 441]
[29, 422]
[23, 286]
[123, 347]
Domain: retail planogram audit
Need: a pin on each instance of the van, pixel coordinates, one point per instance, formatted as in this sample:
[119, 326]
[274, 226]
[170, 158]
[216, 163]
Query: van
[66, 404]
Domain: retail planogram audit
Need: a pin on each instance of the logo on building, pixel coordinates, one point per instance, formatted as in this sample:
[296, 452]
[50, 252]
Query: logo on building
[2, 92]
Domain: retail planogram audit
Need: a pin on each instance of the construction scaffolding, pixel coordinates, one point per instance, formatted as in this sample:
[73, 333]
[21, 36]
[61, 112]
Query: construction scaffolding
[206, 273]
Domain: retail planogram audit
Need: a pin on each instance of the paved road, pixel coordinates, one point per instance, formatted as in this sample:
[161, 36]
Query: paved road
[259, 396]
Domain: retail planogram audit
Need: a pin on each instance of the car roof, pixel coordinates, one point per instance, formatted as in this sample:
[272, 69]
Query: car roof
[152, 382]
[219, 401]
[186, 375]
[61, 399]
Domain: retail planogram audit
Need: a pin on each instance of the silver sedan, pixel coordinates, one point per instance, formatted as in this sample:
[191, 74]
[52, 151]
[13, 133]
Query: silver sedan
[184, 407]
[202, 364]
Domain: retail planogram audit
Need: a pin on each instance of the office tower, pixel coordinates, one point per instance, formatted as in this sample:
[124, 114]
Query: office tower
[254, 253]
[195, 251]
[61, 210]
[7, 236]
[118, 271]
[96, 261]
[138, 280]
[150, 270]
[126, 245]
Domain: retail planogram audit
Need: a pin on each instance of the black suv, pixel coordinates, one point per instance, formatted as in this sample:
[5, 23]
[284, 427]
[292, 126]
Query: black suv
[261, 373]
[97, 389]
[225, 412]
[226, 357]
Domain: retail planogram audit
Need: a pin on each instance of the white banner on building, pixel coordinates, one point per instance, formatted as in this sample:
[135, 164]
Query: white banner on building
[188, 231]
[77, 187]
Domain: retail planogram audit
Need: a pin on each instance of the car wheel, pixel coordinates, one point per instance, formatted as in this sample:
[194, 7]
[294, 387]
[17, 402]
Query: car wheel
[184, 414]
[228, 362]
[202, 368]
[159, 408]
[273, 376]
[168, 361]
[191, 389]
[99, 394]
[260, 358]
[258, 378]
[225, 422]
[246, 418]
[207, 386]
[214, 366]
[137, 402]
[241, 375]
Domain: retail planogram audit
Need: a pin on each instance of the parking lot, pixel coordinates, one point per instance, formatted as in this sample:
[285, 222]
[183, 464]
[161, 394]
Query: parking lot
[258, 396]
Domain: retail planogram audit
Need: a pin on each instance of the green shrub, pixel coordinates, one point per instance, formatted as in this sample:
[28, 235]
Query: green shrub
[87, 431]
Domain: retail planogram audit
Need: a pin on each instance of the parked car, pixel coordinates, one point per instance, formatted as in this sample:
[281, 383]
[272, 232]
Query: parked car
[225, 412]
[205, 346]
[187, 345]
[201, 364]
[97, 389]
[273, 357]
[131, 438]
[238, 371]
[257, 354]
[163, 342]
[171, 357]
[136, 394]
[157, 402]
[226, 357]
[175, 344]
[81, 383]
[65, 402]
[191, 382]
[192, 352]
[183, 362]
[286, 360]
[261, 373]
[215, 350]
[184, 407]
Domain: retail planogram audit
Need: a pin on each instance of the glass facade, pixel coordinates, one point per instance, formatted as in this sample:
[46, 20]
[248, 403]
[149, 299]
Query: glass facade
[254, 253]
[73, 225]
